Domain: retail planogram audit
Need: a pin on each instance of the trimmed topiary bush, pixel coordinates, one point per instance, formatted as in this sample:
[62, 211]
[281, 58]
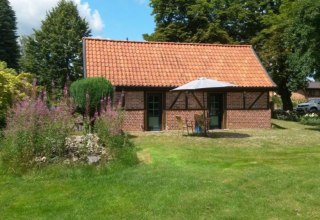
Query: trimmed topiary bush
[96, 88]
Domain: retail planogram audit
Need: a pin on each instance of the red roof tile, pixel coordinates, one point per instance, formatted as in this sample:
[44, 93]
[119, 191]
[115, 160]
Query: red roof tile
[154, 64]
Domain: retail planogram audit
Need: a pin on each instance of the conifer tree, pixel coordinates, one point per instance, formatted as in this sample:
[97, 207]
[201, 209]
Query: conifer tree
[54, 53]
[9, 49]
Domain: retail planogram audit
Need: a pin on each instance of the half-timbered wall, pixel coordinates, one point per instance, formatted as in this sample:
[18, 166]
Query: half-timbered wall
[241, 109]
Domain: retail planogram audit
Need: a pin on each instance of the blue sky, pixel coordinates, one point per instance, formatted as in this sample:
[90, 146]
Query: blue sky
[124, 18]
[113, 19]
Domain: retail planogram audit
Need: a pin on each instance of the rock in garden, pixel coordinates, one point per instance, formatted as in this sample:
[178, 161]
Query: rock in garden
[85, 148]
[93, 159]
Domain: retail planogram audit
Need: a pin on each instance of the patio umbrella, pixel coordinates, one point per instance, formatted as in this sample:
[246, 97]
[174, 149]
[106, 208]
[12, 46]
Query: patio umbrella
[203, 83]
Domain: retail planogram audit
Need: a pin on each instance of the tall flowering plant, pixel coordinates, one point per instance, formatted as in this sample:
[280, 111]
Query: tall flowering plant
[111, 116]
[35, 130]
[108, 126]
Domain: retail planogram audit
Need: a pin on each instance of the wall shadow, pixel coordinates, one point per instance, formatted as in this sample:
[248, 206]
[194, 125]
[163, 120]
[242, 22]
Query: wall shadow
[221, 134]
[273, 125]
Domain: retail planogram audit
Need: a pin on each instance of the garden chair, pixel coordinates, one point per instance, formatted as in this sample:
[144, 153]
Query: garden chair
[184, 125]
[201, 123]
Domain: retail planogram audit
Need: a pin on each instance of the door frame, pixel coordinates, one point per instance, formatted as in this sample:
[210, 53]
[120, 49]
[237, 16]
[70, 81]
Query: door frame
[162, 109]
[222, 107]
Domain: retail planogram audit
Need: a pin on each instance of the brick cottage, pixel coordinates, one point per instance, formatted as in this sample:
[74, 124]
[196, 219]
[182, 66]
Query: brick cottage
[143, 73]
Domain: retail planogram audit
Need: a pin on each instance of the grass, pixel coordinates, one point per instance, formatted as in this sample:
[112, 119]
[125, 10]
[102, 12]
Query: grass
[242, 174]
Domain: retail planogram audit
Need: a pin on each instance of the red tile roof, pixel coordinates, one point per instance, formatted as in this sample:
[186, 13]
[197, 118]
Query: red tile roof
[154, 64]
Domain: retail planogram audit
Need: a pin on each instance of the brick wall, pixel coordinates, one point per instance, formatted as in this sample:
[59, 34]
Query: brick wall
[255, 118]
[134, 120]
[134, 100]
[193, 108]
[134, 105]
[171, 121]
[239, 116]
[235, 100]
[248, 119]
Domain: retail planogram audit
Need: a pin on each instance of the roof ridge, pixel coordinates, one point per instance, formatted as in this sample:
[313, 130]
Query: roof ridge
[168, 43]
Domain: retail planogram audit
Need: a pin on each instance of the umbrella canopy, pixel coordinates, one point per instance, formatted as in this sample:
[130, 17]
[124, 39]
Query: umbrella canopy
[203, 83]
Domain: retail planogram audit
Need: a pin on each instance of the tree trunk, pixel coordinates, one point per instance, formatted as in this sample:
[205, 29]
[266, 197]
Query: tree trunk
[286, 99]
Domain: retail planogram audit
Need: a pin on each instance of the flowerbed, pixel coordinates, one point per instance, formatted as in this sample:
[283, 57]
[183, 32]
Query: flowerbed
[311, 119]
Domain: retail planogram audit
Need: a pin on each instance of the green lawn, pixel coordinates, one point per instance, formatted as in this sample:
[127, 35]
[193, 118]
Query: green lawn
[242, 174]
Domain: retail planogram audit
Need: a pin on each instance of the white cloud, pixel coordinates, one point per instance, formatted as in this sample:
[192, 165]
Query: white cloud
[30, 13]
[92, 16]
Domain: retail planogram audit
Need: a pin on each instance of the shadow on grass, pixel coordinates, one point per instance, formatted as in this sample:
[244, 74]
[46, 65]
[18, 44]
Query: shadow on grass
[313, 129]
[131, 136]
[220, 134]
[273, 125]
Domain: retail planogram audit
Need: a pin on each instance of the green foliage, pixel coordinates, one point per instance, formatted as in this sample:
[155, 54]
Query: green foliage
[34, 132]
[276, 100]
[285, 115]
[9, 49]
[186, 21]
[13, 87]
[274, 54]
[304, 38]
[220, 21]
[289, 46]
[108, 128]
[97, 88]
[237, 174]
[310, 119]
[54, 53]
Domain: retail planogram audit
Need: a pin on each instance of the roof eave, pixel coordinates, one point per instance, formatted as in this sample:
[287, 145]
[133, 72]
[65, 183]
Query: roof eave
[168, 88]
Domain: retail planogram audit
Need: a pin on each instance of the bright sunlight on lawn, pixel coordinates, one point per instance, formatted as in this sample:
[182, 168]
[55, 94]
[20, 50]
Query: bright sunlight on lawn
[242, 174]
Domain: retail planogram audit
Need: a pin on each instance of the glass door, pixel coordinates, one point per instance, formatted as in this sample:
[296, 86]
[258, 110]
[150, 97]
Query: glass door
[215, 107]
[154, 111]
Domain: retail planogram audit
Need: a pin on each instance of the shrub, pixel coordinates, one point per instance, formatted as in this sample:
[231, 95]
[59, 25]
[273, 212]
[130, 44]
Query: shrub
[108, 127]
[277, 101]
[14, 87]
[35, 131]
[93, 89]
[285, 115]
[310, 119]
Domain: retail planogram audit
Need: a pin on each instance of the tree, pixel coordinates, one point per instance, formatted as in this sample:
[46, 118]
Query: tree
[13, 87]
[289, 46]
[186, 21]
[91, 90]
[9, 49]
[243, 19]
[304, 37]
[54, 53]
[222, 21]
[270, 44]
